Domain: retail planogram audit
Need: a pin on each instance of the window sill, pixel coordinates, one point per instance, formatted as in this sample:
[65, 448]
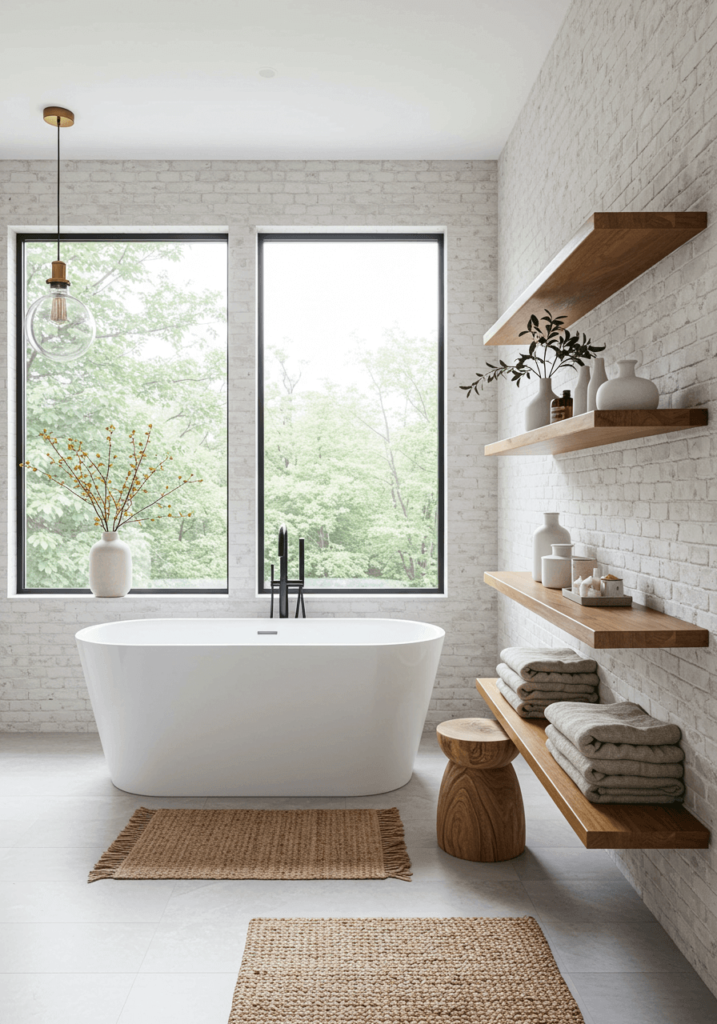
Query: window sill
[128, 597]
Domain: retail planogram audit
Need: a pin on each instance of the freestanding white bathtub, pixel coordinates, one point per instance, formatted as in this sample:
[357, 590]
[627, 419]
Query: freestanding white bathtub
[260, 707]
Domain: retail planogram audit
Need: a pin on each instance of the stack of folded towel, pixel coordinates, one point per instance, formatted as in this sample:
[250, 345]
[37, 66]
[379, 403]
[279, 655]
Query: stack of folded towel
[616, 753]
[531, 678]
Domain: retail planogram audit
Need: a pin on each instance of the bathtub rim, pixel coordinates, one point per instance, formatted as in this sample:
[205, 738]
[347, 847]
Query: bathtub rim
[436, 633]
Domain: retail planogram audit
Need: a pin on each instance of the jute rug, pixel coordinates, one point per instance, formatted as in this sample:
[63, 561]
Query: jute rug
[184, 843]
[462, 970]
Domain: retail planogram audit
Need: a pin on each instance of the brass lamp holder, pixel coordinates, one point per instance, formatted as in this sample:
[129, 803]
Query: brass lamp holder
[59, 274]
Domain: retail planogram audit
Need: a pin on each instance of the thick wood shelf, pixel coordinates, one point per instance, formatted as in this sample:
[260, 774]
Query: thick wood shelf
[609, 251]
[598, 826]
[601, 628]
[596, 428]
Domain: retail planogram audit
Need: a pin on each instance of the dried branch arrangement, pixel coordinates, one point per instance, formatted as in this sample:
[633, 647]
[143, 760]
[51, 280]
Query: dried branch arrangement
[93, 480]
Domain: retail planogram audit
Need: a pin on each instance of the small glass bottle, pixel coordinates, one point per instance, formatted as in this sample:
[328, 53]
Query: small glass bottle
[561, 408]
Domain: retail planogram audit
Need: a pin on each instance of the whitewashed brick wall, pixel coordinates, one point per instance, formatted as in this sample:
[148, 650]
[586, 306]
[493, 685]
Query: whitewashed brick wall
[41, 684]
[624, 117]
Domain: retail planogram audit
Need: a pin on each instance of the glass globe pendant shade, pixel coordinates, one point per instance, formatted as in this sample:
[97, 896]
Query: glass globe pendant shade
[59, 326]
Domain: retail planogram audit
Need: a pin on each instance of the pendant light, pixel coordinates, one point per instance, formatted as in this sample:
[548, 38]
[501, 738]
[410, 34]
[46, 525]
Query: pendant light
[58, 325]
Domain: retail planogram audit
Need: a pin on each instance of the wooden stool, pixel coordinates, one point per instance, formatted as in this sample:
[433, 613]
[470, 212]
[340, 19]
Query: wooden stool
[480, 806]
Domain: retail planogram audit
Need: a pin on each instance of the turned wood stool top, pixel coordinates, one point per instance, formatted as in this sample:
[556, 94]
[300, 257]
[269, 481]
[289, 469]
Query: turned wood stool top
[476, 742]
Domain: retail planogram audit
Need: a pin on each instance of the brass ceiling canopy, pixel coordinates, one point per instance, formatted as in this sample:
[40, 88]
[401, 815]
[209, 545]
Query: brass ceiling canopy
[51, 114]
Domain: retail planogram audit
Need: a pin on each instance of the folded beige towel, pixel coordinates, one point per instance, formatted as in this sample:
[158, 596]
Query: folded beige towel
[620, 731]
[532, 707]
[671, 792]
[542, 664]
[561, 690]
[606, 772]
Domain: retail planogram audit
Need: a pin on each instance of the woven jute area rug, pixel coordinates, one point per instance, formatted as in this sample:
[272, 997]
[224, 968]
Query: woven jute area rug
[186, 843]
[462, 970]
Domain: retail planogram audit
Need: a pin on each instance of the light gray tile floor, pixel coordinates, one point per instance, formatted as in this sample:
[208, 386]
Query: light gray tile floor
[148, 952]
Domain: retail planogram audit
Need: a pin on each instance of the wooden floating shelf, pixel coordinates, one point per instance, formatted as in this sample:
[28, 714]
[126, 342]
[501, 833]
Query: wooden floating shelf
[597, 428]
[609, 251]
[598, 826]
[601, 628]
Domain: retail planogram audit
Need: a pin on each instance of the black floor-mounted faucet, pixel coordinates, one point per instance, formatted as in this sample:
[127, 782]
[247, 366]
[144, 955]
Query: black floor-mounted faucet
[284, 585]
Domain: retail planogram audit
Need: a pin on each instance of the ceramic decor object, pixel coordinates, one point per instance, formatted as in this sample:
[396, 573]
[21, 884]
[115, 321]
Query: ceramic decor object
[551, 532]
[583, 566]
[627, 391]
[597, 378]
[110, 566]
[537, 411]
[580, 391]
[611, 586]
[555, 567]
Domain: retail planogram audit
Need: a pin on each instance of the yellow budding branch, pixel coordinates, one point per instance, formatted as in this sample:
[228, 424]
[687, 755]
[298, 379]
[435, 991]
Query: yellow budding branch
[114, 505]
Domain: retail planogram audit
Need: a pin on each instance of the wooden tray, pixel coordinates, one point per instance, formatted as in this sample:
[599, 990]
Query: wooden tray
[598, 602]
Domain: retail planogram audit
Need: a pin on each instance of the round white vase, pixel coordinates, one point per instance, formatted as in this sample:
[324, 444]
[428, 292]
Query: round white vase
[580, 391]
[556, 567]
[110, 566]
[597, 379]
[551, 532]
[537, 411]
[626, 391]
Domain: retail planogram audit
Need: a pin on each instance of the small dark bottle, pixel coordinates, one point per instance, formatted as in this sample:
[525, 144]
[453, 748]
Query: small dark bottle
[561, 408]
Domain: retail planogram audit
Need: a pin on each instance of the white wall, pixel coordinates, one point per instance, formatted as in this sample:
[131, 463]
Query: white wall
[41, 684]
[624, 117]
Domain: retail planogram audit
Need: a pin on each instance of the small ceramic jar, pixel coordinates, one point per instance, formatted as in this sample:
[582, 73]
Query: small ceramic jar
[611, 586]
[556, 568]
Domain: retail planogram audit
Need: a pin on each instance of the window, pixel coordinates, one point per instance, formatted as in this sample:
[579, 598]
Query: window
[351, 409]
[159, 357]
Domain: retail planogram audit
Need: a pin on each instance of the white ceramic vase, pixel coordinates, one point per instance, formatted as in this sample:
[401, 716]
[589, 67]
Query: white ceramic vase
[537, 411]
[551, 532]
[626, 391]
[556, 567]
[597, 379]
[580, 391]
[110, 566]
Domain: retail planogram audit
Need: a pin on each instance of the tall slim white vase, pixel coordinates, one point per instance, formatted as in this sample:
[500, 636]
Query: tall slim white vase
[551, 532]
[110, 566]
[580, 391]
[597, 377]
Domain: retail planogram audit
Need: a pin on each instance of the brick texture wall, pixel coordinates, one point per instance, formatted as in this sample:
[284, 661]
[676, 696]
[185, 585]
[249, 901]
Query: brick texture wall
[41, 684]
[624, 117]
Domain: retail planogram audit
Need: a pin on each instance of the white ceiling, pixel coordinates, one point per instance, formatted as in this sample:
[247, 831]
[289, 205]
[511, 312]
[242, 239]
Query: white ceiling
[355, 79]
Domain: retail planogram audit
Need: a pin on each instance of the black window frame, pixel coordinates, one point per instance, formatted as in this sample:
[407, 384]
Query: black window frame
[265, 237]
[20, 532]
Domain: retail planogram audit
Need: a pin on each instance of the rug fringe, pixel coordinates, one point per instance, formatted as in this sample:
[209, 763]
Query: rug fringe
[114, 857]
[395, 855]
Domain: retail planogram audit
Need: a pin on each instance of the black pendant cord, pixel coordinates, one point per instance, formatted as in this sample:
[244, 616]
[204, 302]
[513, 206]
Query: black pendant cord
[58, 188]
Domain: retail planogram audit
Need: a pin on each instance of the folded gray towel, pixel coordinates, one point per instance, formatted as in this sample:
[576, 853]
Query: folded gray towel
[669, 793]
[532, 707]
[563, 689]
[610, 773]
[545, 662]
[524, 708]
[607, 729]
